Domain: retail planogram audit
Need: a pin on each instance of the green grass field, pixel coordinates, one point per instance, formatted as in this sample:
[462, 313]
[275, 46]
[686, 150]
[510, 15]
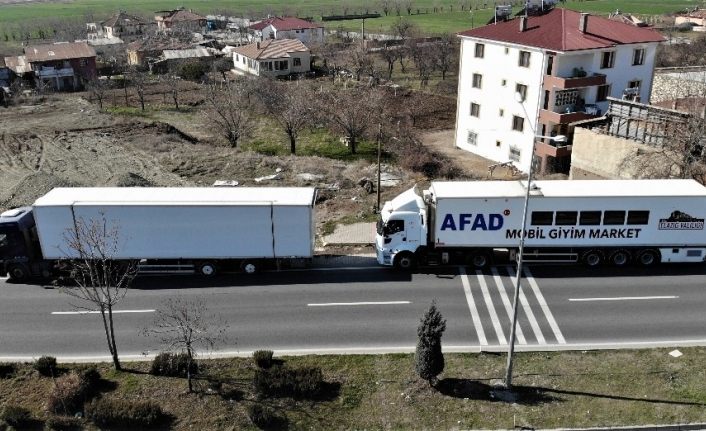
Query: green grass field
[452, 19]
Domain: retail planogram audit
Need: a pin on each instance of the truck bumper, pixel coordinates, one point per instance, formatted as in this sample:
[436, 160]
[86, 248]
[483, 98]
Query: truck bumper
[384, 256]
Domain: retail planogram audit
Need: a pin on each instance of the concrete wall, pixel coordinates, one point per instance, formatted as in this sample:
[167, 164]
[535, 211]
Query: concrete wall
[597, 156]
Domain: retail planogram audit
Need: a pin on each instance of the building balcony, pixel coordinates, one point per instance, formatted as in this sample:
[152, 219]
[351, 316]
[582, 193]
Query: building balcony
[50, 72]
[551, 149]
[569, 115]
[560, 83]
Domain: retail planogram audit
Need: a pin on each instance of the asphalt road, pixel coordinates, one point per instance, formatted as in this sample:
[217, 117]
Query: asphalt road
[378, 310]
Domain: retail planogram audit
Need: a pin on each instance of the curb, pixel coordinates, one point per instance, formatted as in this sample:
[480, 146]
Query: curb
[677, 427]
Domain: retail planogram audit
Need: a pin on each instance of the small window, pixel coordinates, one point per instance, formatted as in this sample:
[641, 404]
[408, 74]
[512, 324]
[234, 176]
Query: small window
[518, 123]
[524, 59]
[472, 138]
[614, 217]
[590, 218]
[498, 144]
[296, 62]
[514, 153]
[638, 57]
[566, 218]
[394, 226]
[477, 80]
[504, 82]
[607, 59]
[638, 217]
[635, 84]
[522, 89]
[542, 218]
[603, 93]
[507, 50]
[480, 50]
[693, 253]
[475, 110]
[501, 112]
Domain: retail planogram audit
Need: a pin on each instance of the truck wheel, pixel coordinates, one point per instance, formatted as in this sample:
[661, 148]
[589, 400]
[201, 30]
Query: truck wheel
[620, 258]
[249, 267]
[479, 261]
[18, 273]
[648, 257]
[207, 269]
[592, 258]
[405, 261]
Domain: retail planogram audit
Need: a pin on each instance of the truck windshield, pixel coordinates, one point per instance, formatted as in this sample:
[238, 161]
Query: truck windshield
[393, 226]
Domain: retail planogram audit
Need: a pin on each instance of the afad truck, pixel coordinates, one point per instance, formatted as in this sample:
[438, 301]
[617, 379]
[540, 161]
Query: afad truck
[202, 230]
[617, 222]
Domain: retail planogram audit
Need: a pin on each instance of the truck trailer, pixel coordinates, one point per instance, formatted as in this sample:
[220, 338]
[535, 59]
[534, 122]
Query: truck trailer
[185, 229]
[477, 223]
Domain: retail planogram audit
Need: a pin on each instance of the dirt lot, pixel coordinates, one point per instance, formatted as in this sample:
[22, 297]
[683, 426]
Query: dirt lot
[63, 140]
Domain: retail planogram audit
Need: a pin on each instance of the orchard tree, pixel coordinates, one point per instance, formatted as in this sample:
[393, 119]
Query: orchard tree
[290, 104]
[98, 88]
[228, 110]
[351, 110]
[428, 358]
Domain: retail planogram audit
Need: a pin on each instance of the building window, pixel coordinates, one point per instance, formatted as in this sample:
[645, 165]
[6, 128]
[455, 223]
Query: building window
[522, 89]
[504, 82]
[498, 144]
[475, 110]
[603, 93]
[634, 84]
[237, 58]
[477, 80]
[515, 153]
[507, 50]
[501, 112]
[472, 138]
[480, 50]
[296, 62]
[638, 57]
[83, 62]
[518, 123]
[607, 59]
[566, 97]
[524, 59]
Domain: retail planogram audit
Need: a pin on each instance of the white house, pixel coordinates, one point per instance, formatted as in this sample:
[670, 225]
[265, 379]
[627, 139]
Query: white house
[564, 64]
[288, 28]
[272, 58]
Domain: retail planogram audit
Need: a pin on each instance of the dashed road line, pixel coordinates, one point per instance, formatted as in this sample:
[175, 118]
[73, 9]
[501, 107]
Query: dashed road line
[528, 311]
[545, 308]
[336, 304]
[491, 308]
[623, 298]
[506, 302]
[472, 306]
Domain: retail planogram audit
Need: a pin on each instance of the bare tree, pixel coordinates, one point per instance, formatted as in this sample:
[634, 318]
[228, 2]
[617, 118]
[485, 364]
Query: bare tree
[228, 110]
[389, 54]
[398, 7]
[408, 6]
[360, 61]
[351, 111]
[223, 65]
[185, 325]
[100, 280]
[423, 56]
[290, 104]
[172, 83]
[139, 80]
[445, 54]
[98, 88]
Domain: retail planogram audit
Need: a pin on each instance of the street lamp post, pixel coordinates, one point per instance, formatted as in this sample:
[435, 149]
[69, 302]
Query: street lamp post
[520, 257]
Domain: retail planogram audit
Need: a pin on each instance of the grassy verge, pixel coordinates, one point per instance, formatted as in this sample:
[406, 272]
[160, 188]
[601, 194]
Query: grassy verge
[572, 389]
[330, 225]
[128, 111]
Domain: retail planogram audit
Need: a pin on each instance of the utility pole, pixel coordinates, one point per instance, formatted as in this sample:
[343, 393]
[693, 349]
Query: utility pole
[379, 139]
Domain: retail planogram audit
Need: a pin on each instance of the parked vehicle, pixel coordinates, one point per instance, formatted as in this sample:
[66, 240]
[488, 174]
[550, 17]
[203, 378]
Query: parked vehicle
[205, 230]
[477, 223]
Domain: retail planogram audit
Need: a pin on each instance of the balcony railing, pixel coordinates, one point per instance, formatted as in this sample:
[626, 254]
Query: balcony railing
[551, 149]
[573, 82]
[50, 72]
[570, 115]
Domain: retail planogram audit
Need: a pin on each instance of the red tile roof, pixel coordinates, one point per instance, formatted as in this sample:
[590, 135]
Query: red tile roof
[284, 23]
[558, 30]
[272, 48]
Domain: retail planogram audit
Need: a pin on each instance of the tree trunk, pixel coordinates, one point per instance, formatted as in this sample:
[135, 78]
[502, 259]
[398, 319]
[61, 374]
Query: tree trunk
[352, 143]
[125, 90]
[142, 102]
[292, 143]
[110, 336]
[175, 96]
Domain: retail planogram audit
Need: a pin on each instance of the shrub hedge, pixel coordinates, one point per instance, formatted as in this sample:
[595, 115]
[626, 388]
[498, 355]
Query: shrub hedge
[173, 365]
[305, 382]
[263, 358]
[46, 366]
[106, 412]
[16, 416]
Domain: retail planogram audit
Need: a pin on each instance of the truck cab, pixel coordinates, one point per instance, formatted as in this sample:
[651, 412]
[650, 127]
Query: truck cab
[401, 230]
[20, 253]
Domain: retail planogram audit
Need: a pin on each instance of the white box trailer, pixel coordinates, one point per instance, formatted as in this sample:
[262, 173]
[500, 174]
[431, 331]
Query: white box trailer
[594, 221]
[205, 228]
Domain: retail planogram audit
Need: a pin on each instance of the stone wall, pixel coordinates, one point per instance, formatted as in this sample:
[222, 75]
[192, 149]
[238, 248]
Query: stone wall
[598, 156]
[678, 83]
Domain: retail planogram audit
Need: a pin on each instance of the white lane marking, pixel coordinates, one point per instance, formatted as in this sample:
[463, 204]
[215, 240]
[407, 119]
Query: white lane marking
[506, 302]
[333, 268]
[491, 308]
[528, 311]
[545, 307]
[472, 306]
[97, 312]
[622, 298]
[334, 304]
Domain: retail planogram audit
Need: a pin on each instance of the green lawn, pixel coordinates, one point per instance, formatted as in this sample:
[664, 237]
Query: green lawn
[446, 21]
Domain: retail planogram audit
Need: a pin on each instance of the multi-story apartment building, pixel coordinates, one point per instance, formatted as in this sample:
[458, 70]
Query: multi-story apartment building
[563, 64]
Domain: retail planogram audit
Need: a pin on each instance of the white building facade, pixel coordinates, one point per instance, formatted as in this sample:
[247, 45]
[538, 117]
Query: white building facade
[563, 69]
[288, 28]
[272, 58]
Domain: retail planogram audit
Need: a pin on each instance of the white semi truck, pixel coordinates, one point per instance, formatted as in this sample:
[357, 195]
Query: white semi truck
[595, 222]
[186, 229]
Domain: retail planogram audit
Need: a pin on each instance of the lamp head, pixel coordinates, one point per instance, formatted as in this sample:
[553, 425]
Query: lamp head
[560, 138]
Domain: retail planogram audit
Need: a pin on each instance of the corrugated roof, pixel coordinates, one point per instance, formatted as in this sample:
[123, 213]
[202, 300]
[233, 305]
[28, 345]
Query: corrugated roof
[18, 64]
[58, 51]
[171, 54]
[122, 18]
[284, 23]
[181, 15]
[273, 48]
[558, 30]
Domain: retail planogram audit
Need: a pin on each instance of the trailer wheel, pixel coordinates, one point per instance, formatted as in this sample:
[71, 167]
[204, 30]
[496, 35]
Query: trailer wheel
[648, 257]
[207, 269]
[479, 261]
[592, 258]
[405, 261]
[620, 258]
[249, 267]
[18, 272]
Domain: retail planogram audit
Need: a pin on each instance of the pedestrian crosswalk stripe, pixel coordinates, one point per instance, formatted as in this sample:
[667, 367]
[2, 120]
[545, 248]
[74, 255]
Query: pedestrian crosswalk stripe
[491, 309]
[528, 311]
[545, 308]
[506, 303]
[472, 306]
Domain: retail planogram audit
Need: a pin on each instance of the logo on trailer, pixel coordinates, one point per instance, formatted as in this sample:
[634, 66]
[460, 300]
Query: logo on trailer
[681, 221]
[473, 222]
